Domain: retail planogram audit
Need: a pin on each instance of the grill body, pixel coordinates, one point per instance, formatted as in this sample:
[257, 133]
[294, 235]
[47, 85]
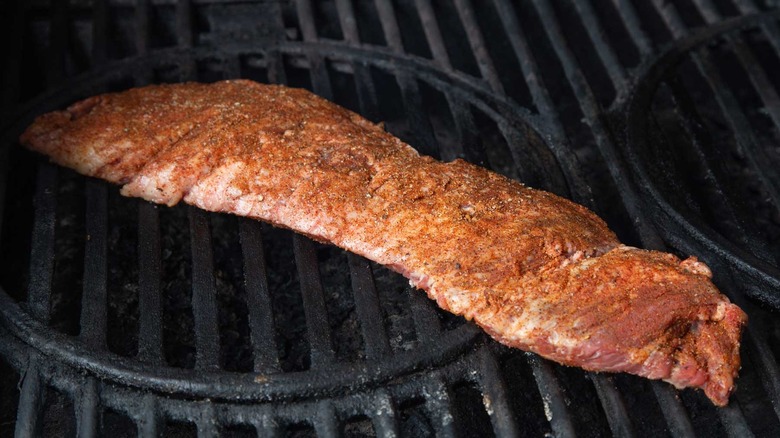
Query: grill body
[120, 317]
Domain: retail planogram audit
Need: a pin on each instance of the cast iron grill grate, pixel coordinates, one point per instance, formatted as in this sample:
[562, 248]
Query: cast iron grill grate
[180, 322]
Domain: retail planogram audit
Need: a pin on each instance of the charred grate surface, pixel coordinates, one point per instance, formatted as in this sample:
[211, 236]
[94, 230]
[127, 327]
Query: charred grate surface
[120, 317]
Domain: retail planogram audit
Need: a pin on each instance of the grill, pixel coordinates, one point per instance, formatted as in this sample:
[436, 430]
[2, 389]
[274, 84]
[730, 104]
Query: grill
[120, 317]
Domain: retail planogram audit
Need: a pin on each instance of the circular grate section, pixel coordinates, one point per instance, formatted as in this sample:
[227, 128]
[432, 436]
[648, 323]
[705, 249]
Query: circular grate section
[703, 135]
[204, 305]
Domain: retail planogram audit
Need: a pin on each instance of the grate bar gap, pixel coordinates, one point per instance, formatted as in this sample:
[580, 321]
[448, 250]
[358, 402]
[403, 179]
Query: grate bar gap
[544, 105]
[555, 406]
[94, 295]
[88, 405]
[433, 33]
[258, 297]
[633, 26]
[204, 292]
[673, 410]
[141, 26]
[306, 19]
[734, 420]
[385, 415]
[326, 424]
[592, 112]
[743, 134]
[368, 308]
[99, 32]
[31, 400]
[478, 46]
[150, 331]
[691, 122]
[603, 49]
[389, 23]
[148, 419]
[314, 308]
[614, 407]
[494, 395]
[426, 322]
[347, 21]
[42, 245]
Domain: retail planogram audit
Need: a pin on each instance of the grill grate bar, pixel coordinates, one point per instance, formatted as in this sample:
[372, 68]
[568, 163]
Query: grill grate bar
[424, 139]
[673, 21]
[313, 301]
[31, 397]
[425, 142]
[390, 27]
[384, 416]
[58, 39]
[555, 406]
[768, 368]
[592, 113]
[760, 351]
[466, 140]
[528, 65]
[87, 405]
[430, 26]
[633, 26]
[206, 422]
[347, 20]
[603, 49]
[693, 126]
[708, 11]
[761, 84]
[42, 246]
[94, 295]
[9, 95]
[543, 103]
[148, 420]
[478, 47]
[258, 298]
[368, 308]
[264, 423]
[612, 402]
[366, 91]
[760, 81]
[150, 337]
[734, 421]
[426, 322]
[495, 397]
[326, 424]
[314, 307]
[743, 133]
[99, 32]
[184, 35]
[319, 74]
[365, 295]
[141, 26]
[275, 65]
[438, 403]
[306, 20]
[204, 293]
[672, 409]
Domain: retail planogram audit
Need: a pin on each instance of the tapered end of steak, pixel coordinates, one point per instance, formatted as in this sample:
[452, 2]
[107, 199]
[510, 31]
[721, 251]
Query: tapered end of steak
[709, 355]
[630, 310]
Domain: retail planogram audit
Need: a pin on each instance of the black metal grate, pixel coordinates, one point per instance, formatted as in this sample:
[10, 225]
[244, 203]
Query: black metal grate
[120, 317]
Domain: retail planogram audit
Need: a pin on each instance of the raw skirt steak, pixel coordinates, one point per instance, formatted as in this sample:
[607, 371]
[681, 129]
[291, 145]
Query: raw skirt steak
[534, 270]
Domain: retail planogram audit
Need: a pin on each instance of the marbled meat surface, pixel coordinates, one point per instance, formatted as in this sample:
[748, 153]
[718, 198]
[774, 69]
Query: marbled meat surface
[534, 270]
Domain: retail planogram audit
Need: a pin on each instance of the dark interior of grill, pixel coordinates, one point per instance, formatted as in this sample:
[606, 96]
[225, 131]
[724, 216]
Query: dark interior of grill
[122, 318]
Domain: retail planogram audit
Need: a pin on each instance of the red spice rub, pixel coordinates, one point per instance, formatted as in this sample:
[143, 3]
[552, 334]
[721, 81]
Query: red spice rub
[534, 270]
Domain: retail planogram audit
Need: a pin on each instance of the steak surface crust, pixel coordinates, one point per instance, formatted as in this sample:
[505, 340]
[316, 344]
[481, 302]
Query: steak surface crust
[536, 271]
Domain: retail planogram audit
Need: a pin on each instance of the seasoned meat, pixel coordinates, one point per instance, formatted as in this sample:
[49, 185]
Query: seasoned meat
[534, 270]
